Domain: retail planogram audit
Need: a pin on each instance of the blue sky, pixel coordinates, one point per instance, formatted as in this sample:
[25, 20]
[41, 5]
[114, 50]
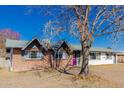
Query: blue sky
[15, 18]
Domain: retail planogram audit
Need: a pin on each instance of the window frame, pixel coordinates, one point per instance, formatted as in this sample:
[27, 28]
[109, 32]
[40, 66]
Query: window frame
[28, 55]
[58, 56]
[97, 56]
[108, 56]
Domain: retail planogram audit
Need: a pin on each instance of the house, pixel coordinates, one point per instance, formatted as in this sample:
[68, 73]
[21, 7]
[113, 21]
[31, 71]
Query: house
[34, 54]
[120, 57]
[97, 56]
[27, 55]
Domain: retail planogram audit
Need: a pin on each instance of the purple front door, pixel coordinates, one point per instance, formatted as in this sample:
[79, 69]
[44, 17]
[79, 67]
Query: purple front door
[74, 61]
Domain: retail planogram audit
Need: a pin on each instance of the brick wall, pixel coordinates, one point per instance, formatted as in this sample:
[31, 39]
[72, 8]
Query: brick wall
[20, 64]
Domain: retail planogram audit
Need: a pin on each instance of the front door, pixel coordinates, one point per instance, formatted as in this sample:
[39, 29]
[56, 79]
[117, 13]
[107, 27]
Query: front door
[76, 58]
[74, 61]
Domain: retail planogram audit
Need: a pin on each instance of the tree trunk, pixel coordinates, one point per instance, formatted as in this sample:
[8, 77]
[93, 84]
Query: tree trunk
[51, 63]
[85, 59]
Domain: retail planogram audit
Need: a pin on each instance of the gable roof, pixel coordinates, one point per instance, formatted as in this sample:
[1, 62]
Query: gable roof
[30, 43]
[59, 44]
[21, 43]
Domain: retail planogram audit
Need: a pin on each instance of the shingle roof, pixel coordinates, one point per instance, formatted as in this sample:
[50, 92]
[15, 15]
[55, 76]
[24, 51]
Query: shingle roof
[21, 43]
[101, 49]
[15, 43]
[78, 47]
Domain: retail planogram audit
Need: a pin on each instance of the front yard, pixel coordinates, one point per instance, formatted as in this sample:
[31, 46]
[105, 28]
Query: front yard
[100, 76]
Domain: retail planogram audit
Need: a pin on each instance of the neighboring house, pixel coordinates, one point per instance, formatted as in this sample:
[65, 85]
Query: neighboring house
[34, 54]
[120, 57]
[2, 46]
[2, 52]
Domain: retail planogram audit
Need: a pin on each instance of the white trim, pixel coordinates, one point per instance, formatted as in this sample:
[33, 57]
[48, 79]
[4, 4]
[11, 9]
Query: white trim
[33, 58]
[29, 53]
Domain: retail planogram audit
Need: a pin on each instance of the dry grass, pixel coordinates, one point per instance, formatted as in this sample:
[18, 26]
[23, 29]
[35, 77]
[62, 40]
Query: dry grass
[93, 81]
[100, 76]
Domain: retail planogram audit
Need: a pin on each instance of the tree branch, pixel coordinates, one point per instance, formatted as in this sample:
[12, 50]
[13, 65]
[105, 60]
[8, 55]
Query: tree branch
[99, 14]
[107, 17]
[109, 25]
[106, 33]
[80, 25]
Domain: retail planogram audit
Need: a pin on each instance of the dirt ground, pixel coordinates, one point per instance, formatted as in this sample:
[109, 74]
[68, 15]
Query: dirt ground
[114, 73]
[100, 76]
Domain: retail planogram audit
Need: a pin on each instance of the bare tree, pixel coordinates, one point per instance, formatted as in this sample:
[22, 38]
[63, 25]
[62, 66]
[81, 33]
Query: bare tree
[107, 20]
[86, 23]
[7, 34]
[49, 31]
[48, 36]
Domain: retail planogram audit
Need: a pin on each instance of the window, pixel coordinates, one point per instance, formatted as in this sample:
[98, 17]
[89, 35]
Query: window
[33, 55]
[61, 55]
[108, 56]
[64, 56]
[95, 56]
[58, 55]
[40, 55]
[27, 54]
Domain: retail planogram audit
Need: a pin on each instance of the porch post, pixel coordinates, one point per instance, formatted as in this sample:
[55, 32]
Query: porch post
[11, 62]
[80, 59]
[115, 58]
